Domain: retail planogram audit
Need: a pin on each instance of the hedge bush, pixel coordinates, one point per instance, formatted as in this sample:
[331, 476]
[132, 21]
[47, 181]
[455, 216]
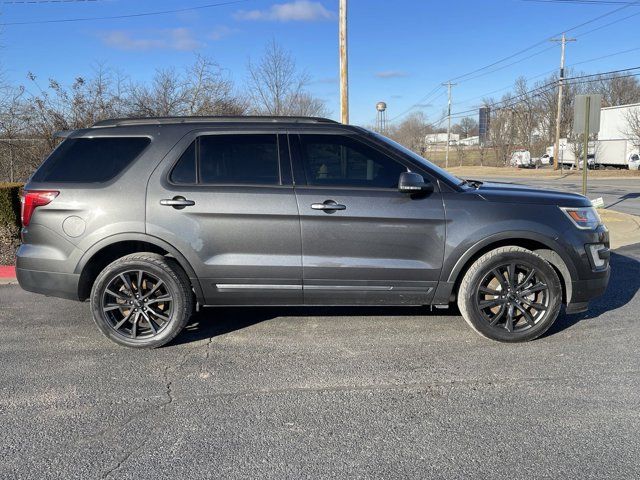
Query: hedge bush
[10, 204]
[9, 222]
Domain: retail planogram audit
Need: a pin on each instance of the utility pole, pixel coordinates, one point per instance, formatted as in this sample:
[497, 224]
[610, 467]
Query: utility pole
[556, 149]
[446, 158]
[344, 71]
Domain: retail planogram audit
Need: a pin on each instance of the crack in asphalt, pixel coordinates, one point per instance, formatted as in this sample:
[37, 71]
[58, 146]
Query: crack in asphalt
[168, 387]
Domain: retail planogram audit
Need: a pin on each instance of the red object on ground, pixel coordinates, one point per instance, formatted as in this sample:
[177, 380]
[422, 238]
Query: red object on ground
[7, 271]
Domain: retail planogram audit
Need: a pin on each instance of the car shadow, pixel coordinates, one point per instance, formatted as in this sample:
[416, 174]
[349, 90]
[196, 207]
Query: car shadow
[624, 284]
[215, 321]
[628, 196]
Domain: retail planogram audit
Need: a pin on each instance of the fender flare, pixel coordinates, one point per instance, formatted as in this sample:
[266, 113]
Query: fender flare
[560, 259]
[143, 237]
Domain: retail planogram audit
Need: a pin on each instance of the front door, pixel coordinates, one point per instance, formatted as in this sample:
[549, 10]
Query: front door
[226, 202]
[363, 242]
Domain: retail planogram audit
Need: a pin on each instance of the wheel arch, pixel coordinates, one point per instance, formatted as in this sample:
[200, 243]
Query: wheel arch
[543, 246]
[109, 249]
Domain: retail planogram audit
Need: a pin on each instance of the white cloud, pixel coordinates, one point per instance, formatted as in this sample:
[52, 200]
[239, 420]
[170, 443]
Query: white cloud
[222, 31]
[295, 11]
[391, 74]
[167, 39]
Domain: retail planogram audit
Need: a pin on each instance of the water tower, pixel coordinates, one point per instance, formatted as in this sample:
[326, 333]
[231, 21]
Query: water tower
[381, 117]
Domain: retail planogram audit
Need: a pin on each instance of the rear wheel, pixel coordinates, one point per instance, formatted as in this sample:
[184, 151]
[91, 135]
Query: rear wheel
[511, 295]
[142, 300]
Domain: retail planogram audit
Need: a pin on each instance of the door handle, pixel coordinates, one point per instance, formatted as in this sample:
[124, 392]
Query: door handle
[177, 202]
[328, 206]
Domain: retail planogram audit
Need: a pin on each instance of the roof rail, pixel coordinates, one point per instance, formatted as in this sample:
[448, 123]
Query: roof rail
[116, 122]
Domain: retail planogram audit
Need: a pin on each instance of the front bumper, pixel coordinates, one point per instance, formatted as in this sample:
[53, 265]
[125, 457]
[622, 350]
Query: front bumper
[54, 284]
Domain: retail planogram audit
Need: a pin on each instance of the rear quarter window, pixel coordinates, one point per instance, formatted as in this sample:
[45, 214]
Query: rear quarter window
[90, 160]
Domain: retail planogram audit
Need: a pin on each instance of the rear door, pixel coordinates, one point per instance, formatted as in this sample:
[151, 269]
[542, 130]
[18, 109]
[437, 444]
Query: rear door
[363, 242]
[226, 201]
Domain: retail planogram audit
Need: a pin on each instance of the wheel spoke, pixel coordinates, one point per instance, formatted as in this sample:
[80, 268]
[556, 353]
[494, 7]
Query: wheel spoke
[491, 303]
[538, 306]
[127, 283]
[509, 321]
[500, 277]
[527, 315]
[124, 320]
[489, 291]
[134, 325]
[498, 316]
[154, 289]
[150, 322]
[536, 288]
[140, 274]
[113, 306]
[163, 298]
[158, 315]
[512, 275]
[117, 295]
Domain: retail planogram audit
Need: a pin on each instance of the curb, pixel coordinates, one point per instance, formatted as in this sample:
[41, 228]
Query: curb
[7, 275]
[7, 271]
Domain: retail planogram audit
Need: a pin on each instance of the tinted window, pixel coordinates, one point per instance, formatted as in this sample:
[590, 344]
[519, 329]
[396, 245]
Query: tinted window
[89, 160]
[342, 161]
[239, 159]
[185, 169]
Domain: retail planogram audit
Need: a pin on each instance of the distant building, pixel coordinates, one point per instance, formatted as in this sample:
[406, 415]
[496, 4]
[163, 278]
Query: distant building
[441, 138]
[469, 141]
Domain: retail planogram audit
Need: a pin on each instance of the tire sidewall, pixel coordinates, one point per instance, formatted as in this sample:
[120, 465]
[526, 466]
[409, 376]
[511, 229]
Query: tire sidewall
[107, 275]
[501, 334]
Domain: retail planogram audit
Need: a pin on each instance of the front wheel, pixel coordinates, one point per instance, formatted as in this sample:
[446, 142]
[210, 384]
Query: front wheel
[510, 294]
[142, 300]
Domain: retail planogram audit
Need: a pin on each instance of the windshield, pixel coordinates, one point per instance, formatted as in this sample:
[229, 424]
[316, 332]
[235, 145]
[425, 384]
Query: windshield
[423, 161]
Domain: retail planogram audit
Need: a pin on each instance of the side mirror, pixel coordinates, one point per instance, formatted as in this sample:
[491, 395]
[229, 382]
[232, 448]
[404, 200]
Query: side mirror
[411, 182]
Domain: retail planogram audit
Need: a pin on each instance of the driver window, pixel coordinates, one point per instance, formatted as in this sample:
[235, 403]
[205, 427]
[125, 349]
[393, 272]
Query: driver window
[339, 160]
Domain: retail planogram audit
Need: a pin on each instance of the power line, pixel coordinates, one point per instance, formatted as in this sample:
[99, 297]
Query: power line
[38, 2]
[518, 53]
[583, 2]
[582, 62]
[576, 80]
[131, 15]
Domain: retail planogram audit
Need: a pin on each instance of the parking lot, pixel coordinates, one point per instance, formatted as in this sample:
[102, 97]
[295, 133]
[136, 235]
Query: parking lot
[302, 393]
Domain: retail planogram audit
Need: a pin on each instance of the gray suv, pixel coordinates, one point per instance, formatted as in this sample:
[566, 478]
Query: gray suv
[148, 218]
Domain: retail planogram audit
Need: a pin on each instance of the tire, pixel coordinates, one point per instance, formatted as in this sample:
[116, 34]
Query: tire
[495, 307]
[142, 300]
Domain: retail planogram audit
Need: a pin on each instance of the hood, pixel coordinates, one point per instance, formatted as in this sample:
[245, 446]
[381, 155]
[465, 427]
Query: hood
[515, 193]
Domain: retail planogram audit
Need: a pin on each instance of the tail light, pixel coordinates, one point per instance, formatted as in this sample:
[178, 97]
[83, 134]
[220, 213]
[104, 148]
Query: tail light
[32, 199]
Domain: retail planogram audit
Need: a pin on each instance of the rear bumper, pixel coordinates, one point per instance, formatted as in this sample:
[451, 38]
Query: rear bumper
[54, 284]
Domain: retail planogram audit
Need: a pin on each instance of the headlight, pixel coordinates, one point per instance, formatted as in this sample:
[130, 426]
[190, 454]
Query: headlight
[585, 218]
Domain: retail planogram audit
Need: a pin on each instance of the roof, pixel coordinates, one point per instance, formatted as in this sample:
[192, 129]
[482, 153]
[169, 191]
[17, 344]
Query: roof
[628, 105]
[116, 122]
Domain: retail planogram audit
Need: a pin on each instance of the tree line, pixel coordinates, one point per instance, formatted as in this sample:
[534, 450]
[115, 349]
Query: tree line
[31, 114]
[525, 116]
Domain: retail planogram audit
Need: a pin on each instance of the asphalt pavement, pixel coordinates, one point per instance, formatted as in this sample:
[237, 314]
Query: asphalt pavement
[621, 194]
[322, 393]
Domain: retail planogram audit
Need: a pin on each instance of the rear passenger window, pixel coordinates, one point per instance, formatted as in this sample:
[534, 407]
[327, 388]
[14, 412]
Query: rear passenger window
[241, 159]
[90, 160]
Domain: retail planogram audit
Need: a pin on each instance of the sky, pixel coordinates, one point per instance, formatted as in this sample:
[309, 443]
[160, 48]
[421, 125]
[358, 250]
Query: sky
[400, 51]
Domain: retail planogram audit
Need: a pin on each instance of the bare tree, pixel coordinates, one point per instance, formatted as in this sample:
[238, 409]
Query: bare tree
[278, 87]
[411, 132]
[633, 126]
[467, 127]
[201, 89]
